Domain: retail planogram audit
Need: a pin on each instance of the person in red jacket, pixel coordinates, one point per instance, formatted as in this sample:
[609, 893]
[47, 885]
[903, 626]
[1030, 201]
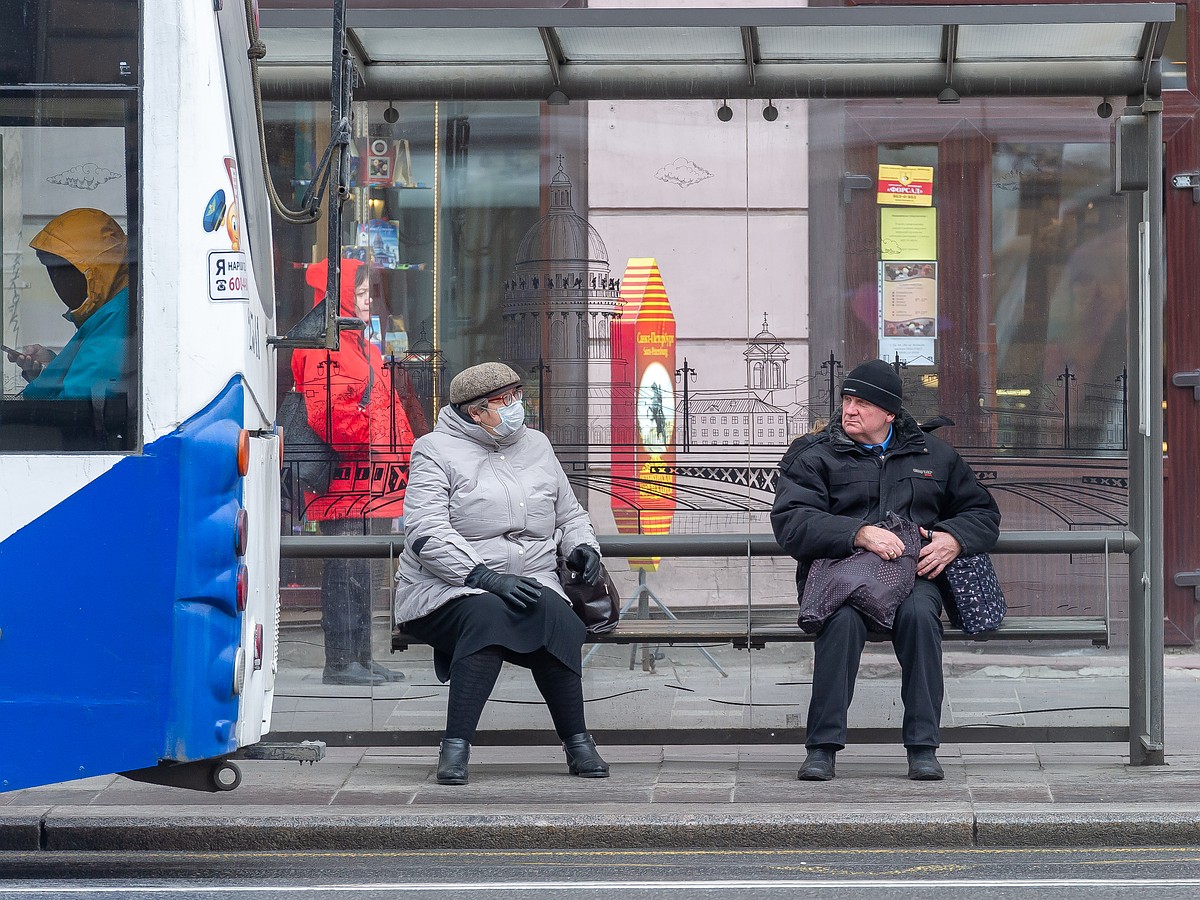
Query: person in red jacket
[352, 405]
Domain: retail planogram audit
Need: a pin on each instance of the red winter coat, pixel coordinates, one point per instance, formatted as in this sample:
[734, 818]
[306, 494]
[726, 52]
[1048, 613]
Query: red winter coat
[373, 473]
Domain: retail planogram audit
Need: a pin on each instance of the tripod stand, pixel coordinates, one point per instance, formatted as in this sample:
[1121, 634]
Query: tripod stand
[642, 597]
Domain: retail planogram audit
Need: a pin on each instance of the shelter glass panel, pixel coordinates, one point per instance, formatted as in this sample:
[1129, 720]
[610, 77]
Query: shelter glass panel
[682, 287]
[873, 43]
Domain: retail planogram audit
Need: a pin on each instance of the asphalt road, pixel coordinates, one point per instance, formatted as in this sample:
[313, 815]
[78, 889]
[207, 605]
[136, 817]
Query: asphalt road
[1161, 872]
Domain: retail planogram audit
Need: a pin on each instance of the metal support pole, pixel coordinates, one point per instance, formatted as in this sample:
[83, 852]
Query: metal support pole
[541, 368]
[339, 172]
[683, 375]
[1146, 638]
[1124, 379]
[834, 365]
[1066, 378]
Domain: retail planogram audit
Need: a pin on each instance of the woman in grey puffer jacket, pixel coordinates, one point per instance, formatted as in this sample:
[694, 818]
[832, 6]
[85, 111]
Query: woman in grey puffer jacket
[486, 512]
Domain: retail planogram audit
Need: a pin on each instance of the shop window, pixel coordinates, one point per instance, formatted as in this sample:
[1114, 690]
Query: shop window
[1060, 295]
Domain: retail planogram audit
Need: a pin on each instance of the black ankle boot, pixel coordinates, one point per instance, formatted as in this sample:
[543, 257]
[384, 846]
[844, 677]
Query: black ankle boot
[452, 761]
[818, 765]
[923, 764]
[582, 758]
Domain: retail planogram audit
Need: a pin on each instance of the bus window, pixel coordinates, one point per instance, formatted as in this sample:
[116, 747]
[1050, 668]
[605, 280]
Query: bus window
[69, 42]
[68, 239]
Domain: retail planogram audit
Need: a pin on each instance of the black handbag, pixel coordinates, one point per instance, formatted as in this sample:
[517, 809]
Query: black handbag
[974, 599]
[311, 459]
[597, 605]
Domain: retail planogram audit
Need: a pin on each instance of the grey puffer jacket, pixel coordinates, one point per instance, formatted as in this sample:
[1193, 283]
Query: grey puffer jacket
[473, 498]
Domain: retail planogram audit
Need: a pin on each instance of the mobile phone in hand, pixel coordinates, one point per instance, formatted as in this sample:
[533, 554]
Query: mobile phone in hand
[8, 349]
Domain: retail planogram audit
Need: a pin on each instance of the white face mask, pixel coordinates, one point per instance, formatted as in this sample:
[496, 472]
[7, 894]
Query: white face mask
[512, 417]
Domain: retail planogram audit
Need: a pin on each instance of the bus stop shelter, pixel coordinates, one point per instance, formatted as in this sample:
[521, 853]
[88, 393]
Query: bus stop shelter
[945, 53]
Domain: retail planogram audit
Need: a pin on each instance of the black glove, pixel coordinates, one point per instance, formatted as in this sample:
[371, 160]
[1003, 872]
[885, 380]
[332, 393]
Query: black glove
[517, 591]
[586, 561]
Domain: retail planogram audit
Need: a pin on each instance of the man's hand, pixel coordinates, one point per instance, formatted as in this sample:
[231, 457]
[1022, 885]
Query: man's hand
[32, 358]
[879, 541]
[937, 554]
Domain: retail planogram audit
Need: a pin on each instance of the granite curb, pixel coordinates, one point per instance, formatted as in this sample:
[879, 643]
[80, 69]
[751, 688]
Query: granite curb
[233, 829]
[268, 828]
[1085, 826]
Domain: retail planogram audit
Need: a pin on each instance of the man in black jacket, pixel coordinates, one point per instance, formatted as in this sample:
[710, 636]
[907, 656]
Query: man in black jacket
[871, 460]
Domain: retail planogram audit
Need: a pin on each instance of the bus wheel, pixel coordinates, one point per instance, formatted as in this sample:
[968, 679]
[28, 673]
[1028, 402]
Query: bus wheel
[225, 776]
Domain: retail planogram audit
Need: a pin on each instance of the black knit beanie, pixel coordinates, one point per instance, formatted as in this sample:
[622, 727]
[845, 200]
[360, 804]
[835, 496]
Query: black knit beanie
[876, 382]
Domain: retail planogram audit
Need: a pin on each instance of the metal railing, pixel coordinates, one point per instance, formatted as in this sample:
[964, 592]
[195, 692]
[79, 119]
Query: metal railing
[385, 546]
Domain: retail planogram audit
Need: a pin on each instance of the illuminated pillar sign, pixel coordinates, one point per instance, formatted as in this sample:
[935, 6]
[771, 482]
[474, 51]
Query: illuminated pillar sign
[643, 407]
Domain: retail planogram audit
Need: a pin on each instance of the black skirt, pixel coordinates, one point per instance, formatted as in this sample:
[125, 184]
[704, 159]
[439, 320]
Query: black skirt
[470, 623]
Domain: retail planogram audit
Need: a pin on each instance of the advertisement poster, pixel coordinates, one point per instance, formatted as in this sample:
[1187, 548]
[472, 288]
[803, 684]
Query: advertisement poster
[905, 186]
[908, 311]
[382, 162]
[907, 234]
[907, 264]
[643, 407]
[382, 238]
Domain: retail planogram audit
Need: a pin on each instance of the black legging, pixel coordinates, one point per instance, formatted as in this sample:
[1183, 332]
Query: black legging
[473, 677]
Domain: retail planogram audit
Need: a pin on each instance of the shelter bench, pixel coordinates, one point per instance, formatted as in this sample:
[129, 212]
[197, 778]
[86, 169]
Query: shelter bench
[757, 634]
[756, 628]
[777, 624]
[647, 625]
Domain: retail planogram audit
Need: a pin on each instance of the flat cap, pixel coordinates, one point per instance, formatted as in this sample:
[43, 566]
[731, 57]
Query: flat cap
[481, 381]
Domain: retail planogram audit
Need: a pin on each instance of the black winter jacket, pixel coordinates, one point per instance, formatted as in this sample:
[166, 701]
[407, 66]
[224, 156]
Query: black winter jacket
[829, 487]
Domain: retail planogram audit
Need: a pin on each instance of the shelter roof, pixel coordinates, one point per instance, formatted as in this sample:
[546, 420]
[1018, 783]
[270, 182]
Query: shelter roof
[1090, 49]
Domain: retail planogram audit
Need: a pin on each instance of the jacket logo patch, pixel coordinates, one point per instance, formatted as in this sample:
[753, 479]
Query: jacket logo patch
[924, 473]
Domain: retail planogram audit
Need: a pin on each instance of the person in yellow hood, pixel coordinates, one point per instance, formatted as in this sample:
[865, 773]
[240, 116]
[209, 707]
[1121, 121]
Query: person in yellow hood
[85, 253]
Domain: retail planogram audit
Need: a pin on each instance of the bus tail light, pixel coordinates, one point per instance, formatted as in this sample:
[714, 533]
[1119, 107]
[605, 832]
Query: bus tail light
[241, 531]
[243, 586]
[243, 452]
[258, 646]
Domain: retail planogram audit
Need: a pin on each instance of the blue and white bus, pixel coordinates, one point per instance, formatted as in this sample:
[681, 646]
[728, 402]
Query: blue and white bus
[139, 460]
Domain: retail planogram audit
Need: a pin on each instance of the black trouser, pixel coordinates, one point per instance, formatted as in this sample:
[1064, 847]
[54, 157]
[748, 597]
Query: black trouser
[917, 639]
[346, 603]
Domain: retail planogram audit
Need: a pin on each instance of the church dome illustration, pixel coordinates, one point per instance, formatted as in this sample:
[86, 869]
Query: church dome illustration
[764, 335]
[561, 299]
[561, 234]
[766, 360]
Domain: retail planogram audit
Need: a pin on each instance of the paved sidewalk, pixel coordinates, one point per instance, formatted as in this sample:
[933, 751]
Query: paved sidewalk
[658, 796]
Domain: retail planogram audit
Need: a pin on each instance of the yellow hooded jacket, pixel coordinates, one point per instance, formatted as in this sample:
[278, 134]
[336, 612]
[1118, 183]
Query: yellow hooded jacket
[97, 356]
[93, 243]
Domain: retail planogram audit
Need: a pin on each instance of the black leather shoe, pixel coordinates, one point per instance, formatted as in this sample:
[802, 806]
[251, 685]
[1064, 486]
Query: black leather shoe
[452, 761]
[354, 673]
[379, 669]
[582, 758]
[923, 764]
[818, 765]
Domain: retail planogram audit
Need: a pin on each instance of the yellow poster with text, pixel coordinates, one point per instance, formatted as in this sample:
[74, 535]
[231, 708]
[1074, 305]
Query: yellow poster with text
[905, 186]
[908, 234]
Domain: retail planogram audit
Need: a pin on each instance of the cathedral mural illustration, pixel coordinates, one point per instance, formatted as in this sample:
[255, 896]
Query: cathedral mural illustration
[605, 385]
